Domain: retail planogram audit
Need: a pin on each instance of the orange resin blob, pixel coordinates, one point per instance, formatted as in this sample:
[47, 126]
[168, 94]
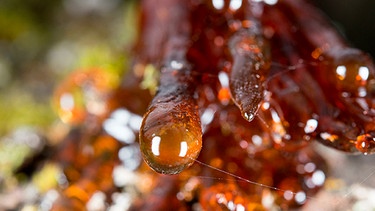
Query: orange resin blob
[354, 72]
[365, 144]
[171, 137]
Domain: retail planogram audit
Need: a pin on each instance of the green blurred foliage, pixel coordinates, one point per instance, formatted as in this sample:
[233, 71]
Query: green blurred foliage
[43, 41]
[18, 108]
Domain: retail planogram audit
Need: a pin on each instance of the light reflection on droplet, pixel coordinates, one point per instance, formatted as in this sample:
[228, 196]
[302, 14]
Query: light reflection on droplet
[249, 116]
[309, 167]
[118, 131]
[265, 105]
[176, 65]
[271, 2]
[257, 140]
[231, 205]
[121, 115]
[363, 103]
[123, 176]
[48, 200]
[328, 136]
[311, 125]
[364, 72]
[267, 199]
[218, 4]
[309, 183]
[244, 144]
[96, 202]
[207, 116]
[183, 149]
[275, 116]
[240, 207]
[224, 79]
[235, 4]
[155, 145]
[341, 72]
[130, 156]
[62, 180]
[221, 198]
[67, 101]
[96, 107]
[318, 178]
[362, 92]
[288, 195]
[121, 201]
[300, 197]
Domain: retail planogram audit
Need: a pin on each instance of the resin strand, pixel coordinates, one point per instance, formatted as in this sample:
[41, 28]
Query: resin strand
[251, 62]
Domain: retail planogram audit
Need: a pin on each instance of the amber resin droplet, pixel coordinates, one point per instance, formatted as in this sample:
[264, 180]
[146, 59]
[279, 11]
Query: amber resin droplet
[170, 138]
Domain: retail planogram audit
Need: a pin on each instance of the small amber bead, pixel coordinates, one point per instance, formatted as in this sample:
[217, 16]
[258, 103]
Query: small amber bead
[366, 144]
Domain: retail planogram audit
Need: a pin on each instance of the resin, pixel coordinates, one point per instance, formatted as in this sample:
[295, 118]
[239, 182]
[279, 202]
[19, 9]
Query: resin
[243, 89]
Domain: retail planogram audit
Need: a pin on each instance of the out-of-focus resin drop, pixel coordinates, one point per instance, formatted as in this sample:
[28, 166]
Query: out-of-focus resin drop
[353, 71]
[83, 93]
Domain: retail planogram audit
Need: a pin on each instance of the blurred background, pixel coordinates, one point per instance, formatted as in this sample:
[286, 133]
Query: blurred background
[355, 20]
[42, 41]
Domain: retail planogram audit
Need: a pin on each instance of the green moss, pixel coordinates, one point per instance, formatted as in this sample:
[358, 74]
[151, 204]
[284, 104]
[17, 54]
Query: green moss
[18, 108]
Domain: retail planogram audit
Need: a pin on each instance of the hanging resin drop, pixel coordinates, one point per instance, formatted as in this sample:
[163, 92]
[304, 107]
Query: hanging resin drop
[171, 134]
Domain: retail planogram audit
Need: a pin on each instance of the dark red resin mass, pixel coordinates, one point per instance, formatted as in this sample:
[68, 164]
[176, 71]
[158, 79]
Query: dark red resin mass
[244, 88]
